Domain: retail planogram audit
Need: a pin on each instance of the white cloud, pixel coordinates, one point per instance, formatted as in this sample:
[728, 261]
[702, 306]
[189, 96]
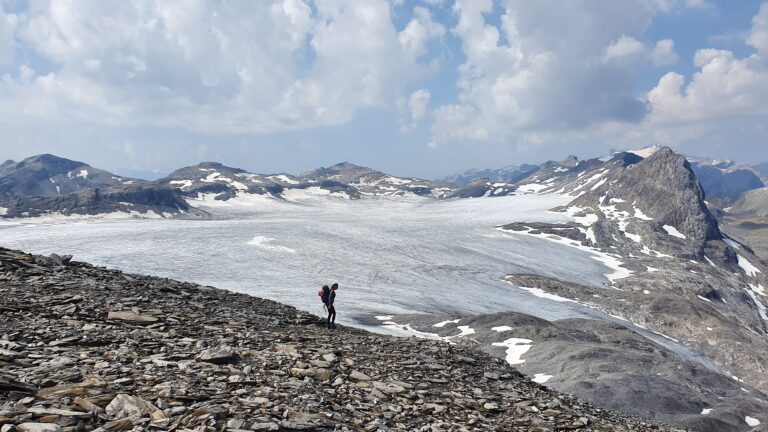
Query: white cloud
[523, 76]
[215, 66]
[418, 32]
[663, 53]
[758, 38]
[699, 4]
[624, 48]
[8, 24]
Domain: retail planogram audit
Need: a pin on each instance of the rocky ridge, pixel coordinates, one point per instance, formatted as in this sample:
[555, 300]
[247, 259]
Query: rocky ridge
[51, 176]
[675, 272]
[610, 364]
[86, 348]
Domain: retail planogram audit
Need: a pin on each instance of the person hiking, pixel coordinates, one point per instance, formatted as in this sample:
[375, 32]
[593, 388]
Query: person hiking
[329, 305]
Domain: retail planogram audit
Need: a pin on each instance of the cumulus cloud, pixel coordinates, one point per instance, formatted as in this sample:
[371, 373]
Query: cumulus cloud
[519, 79]
[663, 53]
[419, 31]
[215, 66]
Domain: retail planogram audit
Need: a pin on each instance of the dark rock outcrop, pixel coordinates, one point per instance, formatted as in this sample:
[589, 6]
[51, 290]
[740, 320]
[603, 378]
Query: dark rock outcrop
[51, 176]
[140, 198]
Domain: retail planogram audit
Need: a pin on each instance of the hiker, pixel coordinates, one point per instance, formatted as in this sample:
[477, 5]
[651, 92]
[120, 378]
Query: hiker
[329, 295]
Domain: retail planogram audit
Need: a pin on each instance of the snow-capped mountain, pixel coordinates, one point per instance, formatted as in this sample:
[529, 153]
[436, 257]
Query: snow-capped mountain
[50, 176]
[675, 272]
[344, 180]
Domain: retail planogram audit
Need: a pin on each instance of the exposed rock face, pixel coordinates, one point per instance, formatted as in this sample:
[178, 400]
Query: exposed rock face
[483, 188]
[607, 364]
[51, 176]
[752, 204]
[644, 197]
[675, 273]
[290, 373]
[507, 174]
[140, 198]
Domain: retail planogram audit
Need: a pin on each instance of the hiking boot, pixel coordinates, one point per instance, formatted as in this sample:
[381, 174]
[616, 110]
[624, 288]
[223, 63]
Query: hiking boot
[333, 326]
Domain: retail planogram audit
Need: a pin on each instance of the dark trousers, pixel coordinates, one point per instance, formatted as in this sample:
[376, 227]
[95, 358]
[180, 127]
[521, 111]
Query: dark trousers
[331, 316]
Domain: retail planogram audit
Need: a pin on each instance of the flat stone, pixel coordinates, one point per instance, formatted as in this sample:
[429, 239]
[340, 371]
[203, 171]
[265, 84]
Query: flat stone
[217, 355]
[38, 427]
[132, 317]
[125, 406]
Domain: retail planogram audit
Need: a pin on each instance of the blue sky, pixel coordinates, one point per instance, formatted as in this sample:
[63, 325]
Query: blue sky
[422, 88]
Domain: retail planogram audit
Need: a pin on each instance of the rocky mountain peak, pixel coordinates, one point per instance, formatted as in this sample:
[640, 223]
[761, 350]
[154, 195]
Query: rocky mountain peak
[570, 161]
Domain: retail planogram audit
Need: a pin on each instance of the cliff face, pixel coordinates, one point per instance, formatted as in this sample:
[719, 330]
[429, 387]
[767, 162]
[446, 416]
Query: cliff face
[86, 348]
[131, 198]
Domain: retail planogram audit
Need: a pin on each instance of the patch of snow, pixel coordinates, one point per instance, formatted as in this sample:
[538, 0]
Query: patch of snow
[465, 330]
[761, 310]
[541, 378]
[645, 152]
[311, 193]
[532, 187]
[500, 329]
[706, 411]
[646, 291]
[640, 215]
[758, 289]
[634, 237]
[126, 203]
[751, 421]
[83, 174]
[515, 349]
[184, 184]
[52, 180]
[709, 261]
[586, 220]
[267, 244]
[732, 243]
[609, 260]
[651, 269]
[600, 183]
[384, 317]
[3, 211]
[128, 182]
[408, 331]
[591, 235]
[538, 292]
[443, 323]
[704, 298]
[283, 178]
[749, 269]
[673, 232]
[58, 190]
[560, 169]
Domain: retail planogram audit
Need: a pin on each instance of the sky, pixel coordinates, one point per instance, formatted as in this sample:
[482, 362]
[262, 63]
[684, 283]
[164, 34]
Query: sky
[420, 88]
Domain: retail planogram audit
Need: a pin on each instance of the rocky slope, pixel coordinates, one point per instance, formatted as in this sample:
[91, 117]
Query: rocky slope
[86, 348]
[144, 200]
[606, 363]
[51, 176]
[675, 272]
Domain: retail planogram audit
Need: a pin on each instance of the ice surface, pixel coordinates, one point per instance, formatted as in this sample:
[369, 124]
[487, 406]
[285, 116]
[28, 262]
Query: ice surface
[532, 187]
[732, 243]
[390, 256]
[501, 328]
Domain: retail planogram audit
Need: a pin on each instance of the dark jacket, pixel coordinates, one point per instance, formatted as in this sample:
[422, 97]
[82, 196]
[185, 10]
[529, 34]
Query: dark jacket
[331, 298]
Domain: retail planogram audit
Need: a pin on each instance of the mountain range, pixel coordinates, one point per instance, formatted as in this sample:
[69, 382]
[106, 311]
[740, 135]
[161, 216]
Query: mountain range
[681, 264]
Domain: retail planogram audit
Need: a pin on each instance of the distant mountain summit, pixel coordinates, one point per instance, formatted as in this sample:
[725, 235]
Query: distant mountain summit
[505, 174]
[47, 175]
